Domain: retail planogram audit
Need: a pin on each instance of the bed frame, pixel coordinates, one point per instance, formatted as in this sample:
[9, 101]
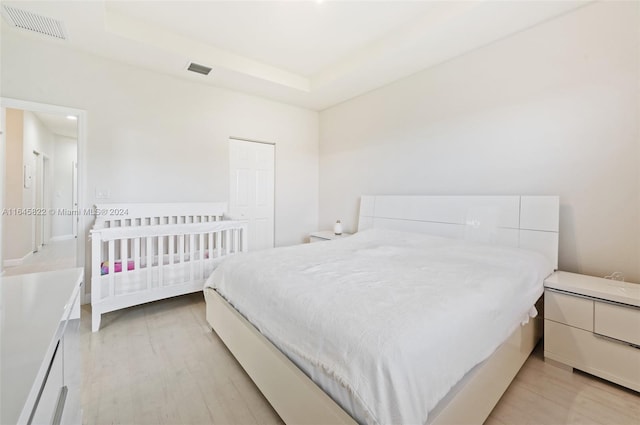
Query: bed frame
[529, 222]
[147, 252]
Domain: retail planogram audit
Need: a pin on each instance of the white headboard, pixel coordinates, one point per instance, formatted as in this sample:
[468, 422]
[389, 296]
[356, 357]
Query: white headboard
[530, 222]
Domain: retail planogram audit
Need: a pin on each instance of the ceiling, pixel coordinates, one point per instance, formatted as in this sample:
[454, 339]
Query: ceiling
[308, 53]
[59, 124]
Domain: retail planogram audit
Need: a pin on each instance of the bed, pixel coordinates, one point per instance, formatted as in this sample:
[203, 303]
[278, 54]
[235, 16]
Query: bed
[384, 326]
[146, 252]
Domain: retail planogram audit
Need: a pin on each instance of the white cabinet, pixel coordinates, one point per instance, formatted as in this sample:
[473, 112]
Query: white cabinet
[40, 362]
[72, 412]
[593, 324]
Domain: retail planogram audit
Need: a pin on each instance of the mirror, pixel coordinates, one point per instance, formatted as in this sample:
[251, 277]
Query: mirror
[39, 212]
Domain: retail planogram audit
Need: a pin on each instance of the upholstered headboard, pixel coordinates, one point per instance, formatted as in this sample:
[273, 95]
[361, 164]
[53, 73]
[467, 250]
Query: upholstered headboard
[529, 222]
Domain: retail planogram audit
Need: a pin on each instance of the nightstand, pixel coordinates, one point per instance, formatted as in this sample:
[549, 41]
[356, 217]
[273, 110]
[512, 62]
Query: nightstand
[593, 324]
[326, 235]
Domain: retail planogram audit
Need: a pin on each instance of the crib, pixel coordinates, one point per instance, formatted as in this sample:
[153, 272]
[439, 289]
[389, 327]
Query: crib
[147, 252]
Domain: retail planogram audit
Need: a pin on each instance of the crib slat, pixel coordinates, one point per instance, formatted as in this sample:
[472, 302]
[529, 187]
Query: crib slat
[218, 243]
[124, 255]
[210, 246]
[181, 249]
[160, 261]
[235, 240]
[136, 253]
[112, 267]
[192, 255]
[143, 250]
[201, 259]
[149, 261]
[172, 250]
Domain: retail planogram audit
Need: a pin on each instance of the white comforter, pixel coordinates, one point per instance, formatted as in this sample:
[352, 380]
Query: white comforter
[397, 319]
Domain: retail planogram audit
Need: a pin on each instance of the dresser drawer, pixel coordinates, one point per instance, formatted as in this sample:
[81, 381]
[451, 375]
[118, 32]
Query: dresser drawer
[568, 309]
[617, 321]
[611, 360]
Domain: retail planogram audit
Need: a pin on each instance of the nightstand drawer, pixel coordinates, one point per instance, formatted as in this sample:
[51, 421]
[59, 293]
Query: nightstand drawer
[568, 309]
[617, 362]
[617, 321]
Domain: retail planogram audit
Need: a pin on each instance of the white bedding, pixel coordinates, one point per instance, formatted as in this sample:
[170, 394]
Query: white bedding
[395, 319]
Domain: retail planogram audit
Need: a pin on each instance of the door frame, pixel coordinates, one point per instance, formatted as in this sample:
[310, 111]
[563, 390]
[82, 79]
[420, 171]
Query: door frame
[47, 195]
[37, 195]
[42, 197]
[7, 102]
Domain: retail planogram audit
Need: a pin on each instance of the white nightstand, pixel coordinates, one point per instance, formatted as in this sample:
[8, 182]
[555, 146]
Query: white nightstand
[593, 324]
[326, 235]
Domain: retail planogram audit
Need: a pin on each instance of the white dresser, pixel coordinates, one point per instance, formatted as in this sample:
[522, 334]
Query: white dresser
[40, 348]
[593, 324]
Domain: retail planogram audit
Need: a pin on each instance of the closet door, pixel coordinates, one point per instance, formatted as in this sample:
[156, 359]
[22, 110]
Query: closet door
[252, 192]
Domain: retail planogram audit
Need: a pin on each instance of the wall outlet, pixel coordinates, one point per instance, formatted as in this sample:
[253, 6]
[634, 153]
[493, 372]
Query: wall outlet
[102, 193]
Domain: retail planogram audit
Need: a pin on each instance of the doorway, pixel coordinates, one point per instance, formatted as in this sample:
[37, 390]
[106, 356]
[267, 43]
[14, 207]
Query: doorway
[252, 189]
[40, 150]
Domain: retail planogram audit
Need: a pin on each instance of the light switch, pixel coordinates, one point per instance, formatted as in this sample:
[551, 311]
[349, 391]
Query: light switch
[102, 193]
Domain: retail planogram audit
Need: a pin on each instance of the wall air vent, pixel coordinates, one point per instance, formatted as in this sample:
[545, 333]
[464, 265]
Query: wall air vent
[33, 22]
[200, 69]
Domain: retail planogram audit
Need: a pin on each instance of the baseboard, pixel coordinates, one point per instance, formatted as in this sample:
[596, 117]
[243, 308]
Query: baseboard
[16, 261]
[61, 238]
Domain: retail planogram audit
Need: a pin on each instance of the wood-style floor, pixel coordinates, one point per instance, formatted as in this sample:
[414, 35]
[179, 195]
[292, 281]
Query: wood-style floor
[160, 363]
[53, 256]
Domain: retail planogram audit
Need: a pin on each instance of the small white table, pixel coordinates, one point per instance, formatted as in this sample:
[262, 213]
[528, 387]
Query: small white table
[593, 324]
[326, 235]
[40, 358]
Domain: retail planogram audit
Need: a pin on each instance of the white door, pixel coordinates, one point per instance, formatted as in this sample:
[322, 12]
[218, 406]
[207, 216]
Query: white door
[251, 191]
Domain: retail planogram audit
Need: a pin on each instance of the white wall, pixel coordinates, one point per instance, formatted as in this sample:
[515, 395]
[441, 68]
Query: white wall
[65, 154]
[156, 138]
[551, 110]
[3, 131]
[16, 228]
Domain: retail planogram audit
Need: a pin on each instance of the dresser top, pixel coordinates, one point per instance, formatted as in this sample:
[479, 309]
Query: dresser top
[33, 308]
[597, 287]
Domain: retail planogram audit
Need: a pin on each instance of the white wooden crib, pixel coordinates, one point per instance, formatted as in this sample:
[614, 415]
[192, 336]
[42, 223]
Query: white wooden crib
[147, 252]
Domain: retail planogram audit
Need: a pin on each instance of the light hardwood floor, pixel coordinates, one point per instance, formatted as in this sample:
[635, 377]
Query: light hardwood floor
[53, 256]
[160, 363]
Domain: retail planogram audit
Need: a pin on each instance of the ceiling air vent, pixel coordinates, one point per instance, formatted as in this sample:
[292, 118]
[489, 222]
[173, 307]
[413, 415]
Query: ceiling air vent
[200, 69]
[33, 22]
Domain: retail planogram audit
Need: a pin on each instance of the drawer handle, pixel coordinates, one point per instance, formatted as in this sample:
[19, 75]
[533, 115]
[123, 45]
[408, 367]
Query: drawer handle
[44, 382]
[62, 398]
[619, 341]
